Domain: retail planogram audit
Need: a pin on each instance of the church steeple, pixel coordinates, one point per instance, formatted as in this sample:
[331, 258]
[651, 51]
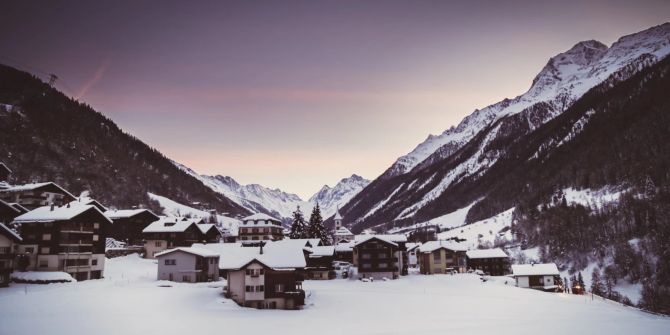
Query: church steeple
[337, 218]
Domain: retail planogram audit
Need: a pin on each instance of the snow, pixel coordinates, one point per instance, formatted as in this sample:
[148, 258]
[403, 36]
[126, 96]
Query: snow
[9, 232]
[323, 250]
[486, 253]
[47, 214]
[431, 246]
[169, 224]
[130, 301]
[597, 198]
[260, 216]
[174, 208]
[37, 276]
[123, 213]
[390, 238]
[481, 231]
[192, 250]
[547, 269]
[383, 202]
[446, 221]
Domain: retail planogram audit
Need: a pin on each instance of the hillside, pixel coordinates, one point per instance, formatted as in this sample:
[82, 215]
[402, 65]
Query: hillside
[44, 135]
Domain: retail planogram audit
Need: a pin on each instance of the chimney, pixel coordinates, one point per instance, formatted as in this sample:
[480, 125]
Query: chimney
[262, 244]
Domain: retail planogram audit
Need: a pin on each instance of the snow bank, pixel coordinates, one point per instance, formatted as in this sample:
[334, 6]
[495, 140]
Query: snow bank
[39, 277]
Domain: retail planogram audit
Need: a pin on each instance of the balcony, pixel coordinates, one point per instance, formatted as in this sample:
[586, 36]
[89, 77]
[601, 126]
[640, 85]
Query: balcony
[75, 243]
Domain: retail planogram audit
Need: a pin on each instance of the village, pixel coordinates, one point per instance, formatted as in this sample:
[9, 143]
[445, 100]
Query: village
[48, 235]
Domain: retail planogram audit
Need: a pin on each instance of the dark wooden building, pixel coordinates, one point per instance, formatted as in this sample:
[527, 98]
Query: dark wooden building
[128, 224]
[380, 256]
[9, 241]
[36, 195]
[171, 232]
[494, 262]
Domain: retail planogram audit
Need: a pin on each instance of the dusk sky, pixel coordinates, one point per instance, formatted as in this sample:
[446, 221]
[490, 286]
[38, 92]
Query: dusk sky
[297, 94]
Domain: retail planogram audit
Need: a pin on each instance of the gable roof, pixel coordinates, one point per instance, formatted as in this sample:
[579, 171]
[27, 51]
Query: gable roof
[412, 246]
[300, 242]
[486, 253]
[88, 201]
[343, 231]
[62, 213]
[547, 269]
[395, 238]
[234, 256]
[19, 207]
[127, 213]
[366, 238]
[170, 224]
[431, 246]
[36, 186]
[4, 230]
[261, 216]
[190, 250]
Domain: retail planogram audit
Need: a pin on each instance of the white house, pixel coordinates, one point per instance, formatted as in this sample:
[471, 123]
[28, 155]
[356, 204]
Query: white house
[537, 276]
[188, 265]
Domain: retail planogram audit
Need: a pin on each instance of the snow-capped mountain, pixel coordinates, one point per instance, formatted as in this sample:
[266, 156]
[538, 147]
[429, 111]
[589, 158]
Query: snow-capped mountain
[413, 188]
[258, 198]
[565, 78]
[329, 198]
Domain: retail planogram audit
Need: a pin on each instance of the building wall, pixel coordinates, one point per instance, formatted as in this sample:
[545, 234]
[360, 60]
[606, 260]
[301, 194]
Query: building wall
[236, 286]
[7, 249]
[182, 271]
[151, 248]
[440, 260]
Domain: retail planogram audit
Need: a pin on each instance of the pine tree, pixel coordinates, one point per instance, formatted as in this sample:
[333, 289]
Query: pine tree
[316, 227]
[298, 227]
[596, 284]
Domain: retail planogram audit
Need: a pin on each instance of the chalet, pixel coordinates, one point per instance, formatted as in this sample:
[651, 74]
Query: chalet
[412, 254]
[380, 256]
[265, 279]
[68, 239]
[260, 227]
[441, 257]
[344, 252]
[35, 195]
[128, 224]
[9, 241]
[188, 265]
[170, 232]
[537, 276]
[89, 201]
[4, 172]
[494, 262]
[320, 262]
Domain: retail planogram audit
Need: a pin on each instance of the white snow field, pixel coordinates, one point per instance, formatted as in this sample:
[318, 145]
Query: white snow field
[130, 301]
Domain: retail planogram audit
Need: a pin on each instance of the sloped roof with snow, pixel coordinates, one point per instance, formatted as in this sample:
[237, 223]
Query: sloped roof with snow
[547, 269]
[63, 213]
[170, 224]
[343, 231]
[205, 227]
[410, 246]
[345, 247]
[390, 238]
[300, 242]
[4, 230]
[261, 216]
[486, 253]
[234, 256]
[34, 186]
[321, 251]
[126, 213]
[338, 216]
[431, 246]
[192, 250]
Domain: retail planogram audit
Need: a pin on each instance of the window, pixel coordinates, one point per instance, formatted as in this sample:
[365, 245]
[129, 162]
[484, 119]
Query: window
[96, 225]
[186, 279]
[279, 288]
[365, 256]
[46, 237]
[381, 255]
[44, 263]
[249, 288]
[383, 265]
[260, 288]
[170, 262]
[95, 237]
[158, 243]
[45, 250]
[254, 272]
[94, 262]
[437, 257]
[366, 265]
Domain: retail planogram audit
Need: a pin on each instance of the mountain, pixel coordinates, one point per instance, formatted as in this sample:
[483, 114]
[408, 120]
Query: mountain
[329, 198]
[258, 198]
[44, 135]
[416, 186]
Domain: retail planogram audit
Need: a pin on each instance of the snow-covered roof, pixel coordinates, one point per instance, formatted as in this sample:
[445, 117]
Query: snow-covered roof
[125, 213]
[547, 269]
[345, 247]
[33, 276]
[343, 231]
[62, 213]
[486, 253]
[431, 246]
[410, 246]
[389, 238]
[300, 242]
[191, 250]
[170, 224]
[260, 216]
[4, 230]
[338, 216]
[205, 227]
[324, 250]
[275, 255]
[19, 207]
[34, 186]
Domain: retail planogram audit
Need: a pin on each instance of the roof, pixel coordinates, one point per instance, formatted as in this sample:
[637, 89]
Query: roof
[34, 186]
[88, 201]
[412, 246]
[261, 216]
[338, 216]
[301, 242]
[345, 247]
[5, 167]
[323, 250]
[62, 213]
[126, 213]
[19, 207]
[343, 231]
[4, 230]
[486, 253]
[234, 256]
[205, 227]
[396, 238]
[548, 269]
[9, 207]
[431, 246]
[192, 250]
[170, 224]
[365, 238]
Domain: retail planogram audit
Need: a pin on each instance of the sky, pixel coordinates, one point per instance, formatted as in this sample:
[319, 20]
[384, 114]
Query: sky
[298, 94]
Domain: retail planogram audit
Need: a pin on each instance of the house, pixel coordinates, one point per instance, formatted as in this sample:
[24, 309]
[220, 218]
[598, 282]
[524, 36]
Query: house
[68, 239]
[35, 195]
[9, 241]
[538, 276]
[4, 172]
[344, 252]
[320, 262]
[260, 227]
[8, 212]
[341, 233]
[170, 232]
[380, 256]
[494, 262]
[265, 279]
[412, 254]
[128, 224]
[441, 257]
[188, 265]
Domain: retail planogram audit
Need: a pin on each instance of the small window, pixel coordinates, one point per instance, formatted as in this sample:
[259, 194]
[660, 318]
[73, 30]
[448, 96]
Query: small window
[46, 237]
[158, 243]
[94, 262]
[260, 288]
[279, 288]
[249, 288]
[44, 263]
[45, 250]
[95, 237]
[170, 262]
[96, 225]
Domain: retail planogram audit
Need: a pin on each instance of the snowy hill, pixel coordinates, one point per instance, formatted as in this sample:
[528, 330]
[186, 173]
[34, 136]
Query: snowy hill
[258, 198]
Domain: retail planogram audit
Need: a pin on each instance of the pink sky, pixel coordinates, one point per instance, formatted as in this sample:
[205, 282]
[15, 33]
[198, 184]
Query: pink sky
[298, 94]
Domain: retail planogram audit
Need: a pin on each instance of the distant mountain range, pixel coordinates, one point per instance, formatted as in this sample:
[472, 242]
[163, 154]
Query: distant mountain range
[258, 198]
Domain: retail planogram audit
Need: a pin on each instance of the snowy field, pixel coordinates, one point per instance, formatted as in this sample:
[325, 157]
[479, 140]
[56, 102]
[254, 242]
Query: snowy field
[131, 301]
